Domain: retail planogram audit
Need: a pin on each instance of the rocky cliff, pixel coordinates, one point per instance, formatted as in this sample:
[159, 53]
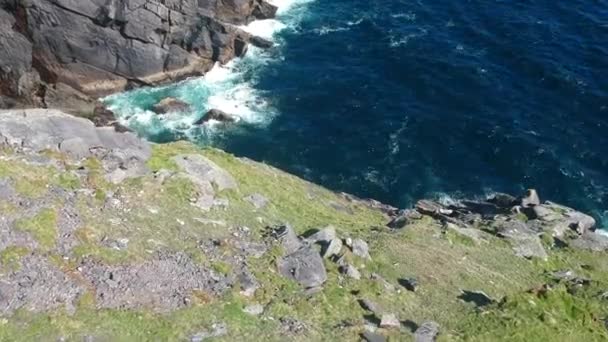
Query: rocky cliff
[66, 53]
[106, 237]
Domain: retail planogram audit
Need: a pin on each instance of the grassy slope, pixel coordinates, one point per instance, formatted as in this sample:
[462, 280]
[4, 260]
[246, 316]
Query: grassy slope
[160, 216]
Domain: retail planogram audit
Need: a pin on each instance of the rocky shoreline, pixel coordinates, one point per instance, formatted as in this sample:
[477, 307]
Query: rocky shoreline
[99, 228]
[65, 54]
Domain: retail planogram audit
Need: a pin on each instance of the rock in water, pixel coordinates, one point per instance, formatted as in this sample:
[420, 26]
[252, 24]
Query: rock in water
[171, 105]
[427, 332]
[217, 115]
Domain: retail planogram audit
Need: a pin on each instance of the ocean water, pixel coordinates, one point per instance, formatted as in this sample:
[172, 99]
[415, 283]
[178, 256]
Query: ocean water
[399, 100]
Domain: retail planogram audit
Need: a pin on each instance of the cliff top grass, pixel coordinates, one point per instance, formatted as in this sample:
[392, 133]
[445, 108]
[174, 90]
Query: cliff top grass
[77, 218]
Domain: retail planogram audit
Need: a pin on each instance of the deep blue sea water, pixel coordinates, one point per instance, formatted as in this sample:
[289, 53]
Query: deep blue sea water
[399, 100]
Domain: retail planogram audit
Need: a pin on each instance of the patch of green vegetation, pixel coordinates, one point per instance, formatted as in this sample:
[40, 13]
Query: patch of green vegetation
[10, 257]
[221, 267]
[68, 181]
[43, 227]
[556, 315]
[162, 155]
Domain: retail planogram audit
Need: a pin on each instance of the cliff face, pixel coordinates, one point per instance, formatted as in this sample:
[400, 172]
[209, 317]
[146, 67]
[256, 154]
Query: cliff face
[62, 53]
[104, 236]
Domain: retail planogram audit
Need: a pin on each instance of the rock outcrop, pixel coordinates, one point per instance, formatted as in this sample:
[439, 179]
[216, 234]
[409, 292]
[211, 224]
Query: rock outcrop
[63, 53]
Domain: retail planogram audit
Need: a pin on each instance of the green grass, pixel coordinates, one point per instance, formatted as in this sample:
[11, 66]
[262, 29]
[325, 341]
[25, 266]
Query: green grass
[10, 257]
[43, 227]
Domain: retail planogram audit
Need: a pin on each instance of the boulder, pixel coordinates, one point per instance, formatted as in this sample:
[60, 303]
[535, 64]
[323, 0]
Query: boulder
[479, 298]
[171, 105]
[369, 305]
[411, 284]
[350, 271]
[592, 241]
[390, 321]
[503, 200]
[257, 200]
[404, 218]
[305, 266]
[217, 115]
[369, 336]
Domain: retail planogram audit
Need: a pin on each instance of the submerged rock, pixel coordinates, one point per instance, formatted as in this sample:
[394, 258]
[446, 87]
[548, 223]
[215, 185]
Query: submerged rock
[217, 115]
[171, 105]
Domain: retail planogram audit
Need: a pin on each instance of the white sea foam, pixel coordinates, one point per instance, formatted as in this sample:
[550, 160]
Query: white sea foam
[230, 88]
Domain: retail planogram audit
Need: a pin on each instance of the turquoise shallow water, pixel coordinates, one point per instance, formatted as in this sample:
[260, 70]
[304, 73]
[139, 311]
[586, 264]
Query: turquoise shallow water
[399, 100]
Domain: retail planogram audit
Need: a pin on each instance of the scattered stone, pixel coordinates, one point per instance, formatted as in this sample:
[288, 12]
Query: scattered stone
[404, 218]
[479, 298]
[531, 199]
[258, 200]
[350, 271]
[427, 332]
[378, 278]
[217, 330]
[411, 284]
[216, 115]
[360, 249]
[292, 326]
[334, 247]
[369, 305]
[389, 321]
[171, 105]
[255, 309]
[372, 337]
[248, 283]
[326, 234]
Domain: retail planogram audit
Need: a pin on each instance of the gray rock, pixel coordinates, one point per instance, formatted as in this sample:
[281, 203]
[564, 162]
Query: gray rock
[372, 337]
[427, 332]
[288, 239]
[591, 241]
[369, 305]
[390, 321]
[292, 326]
[531, 199]
[476, 235]
[361, 249]
[325, 235]
[350, 271]
[479, 298]
[332, 248]
[257, 200]
[255, 309]
[171, 105]
[248, 283]
[503, 200]
[217, 330]
[411, 284]
[404, 218]
[429, 207]
[526, 242]
[205, 173]
[305, 266]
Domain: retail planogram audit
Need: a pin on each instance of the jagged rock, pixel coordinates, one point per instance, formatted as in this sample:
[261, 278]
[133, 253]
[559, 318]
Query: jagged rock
[411, 284]
[255, 309]
[429, 207]
[427, 332]
[288, 238]
[257, 200]
[389, 321]
[305, 266]
[591, 241]
[524, 240]
[531, 199]
[360, 249]
[404, 218]
[326, 235]
[117, 44]
[217, 115]
[372, 337]
[171, 105]
[332, 248]
[479, 298]
[261, 42]
[350, 271]
[503, 200]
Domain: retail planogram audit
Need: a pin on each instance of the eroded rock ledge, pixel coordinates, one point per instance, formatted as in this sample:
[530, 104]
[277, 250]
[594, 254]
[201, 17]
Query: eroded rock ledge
[64, 53]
